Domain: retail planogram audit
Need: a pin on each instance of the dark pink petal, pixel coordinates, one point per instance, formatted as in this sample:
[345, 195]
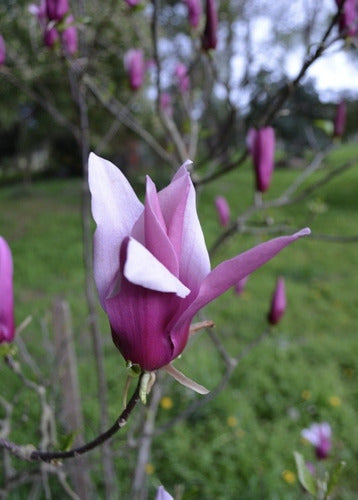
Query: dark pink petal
[115, 208]
[135, 67]
[228, 273]
[56, 9]
[7, 322]
[69, 37]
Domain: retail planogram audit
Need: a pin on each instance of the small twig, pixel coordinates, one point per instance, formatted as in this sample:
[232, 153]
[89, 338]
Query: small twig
[28, 452]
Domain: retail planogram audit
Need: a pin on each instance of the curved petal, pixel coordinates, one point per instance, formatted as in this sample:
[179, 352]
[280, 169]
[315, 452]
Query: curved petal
[229, 272]
[142, 268]
[115, 208]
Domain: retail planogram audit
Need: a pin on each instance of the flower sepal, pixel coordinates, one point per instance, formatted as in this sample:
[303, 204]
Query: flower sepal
[146, 384]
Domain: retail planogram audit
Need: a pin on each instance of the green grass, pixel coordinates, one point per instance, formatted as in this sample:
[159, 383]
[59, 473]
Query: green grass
[281, 386]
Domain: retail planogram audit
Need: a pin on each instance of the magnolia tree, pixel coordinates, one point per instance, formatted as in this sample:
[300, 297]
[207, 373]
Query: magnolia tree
[172, 83]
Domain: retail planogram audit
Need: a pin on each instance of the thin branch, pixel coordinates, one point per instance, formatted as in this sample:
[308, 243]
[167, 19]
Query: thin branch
[122, 114]
[28, 452]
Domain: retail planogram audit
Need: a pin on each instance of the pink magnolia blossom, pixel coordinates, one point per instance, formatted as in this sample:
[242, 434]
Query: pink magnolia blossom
[278, 302]
[162, 494]
[182, 77]
[151, 265]
[56, 9]
[209, 39]
[134, 65]
[7, 322]
[69, 36]
[223, 210]
[194, 12]
[348, 18]
[2, 51]
[340, 119]
[262, 148]
[319, 435]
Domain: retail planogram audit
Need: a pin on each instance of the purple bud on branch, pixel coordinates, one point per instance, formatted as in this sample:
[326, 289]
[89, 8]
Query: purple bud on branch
[56, 9]
[223, 210]
[278, 303]
[7, 322]
[261, 143]
[209, 38]
[194, 12]
[340, 119]
[134, 65]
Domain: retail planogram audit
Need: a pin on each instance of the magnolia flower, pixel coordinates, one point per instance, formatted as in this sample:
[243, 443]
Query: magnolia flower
[340, 119]
[320, 436]
[56, 9]
[278, 303]
[209, 39]
[181, 74]
[262, 147]
[162, 494]
[7, 322]
[134, 65]
[69, 36]
[223, 210]
[194, 12]
[151, 265]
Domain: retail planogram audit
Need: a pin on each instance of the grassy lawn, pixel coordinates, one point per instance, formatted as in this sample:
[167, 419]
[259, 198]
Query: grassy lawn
[305, 371]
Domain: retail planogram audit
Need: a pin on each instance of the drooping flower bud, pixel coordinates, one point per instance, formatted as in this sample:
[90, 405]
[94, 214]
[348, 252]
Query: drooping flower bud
[262, 150]
[278, 303]
[182, 77]
[340, 119]
[56, 9]
[223, 210]
[320, 435]
[209, 39]
[69, 36]
[2, 51]
[134, 65]
[7, 322]
[194, 12]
